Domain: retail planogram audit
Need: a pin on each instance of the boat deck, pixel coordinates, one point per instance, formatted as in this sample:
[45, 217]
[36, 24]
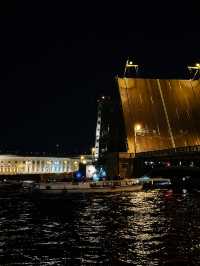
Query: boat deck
[101, 186]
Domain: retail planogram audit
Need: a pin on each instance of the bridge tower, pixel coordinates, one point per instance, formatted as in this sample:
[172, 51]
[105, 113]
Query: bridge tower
[103, 127]
[98, 129]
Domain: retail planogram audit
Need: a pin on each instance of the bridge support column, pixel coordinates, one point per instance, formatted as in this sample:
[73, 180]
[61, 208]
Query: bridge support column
[120, 164]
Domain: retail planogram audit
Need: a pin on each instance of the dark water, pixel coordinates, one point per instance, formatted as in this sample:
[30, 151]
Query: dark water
[143, 228]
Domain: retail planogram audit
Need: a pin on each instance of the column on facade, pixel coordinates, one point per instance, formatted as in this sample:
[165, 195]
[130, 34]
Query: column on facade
[49, 164]
[35, 166]
[61, 166]
[30, 166]
[65, 166]
[26, 167]
[40, 166]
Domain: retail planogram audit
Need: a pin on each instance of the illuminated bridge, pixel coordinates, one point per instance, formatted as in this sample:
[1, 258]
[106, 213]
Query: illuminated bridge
[160, 114]
[161, 118]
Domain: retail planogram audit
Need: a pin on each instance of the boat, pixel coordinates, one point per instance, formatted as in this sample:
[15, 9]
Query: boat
[88, 187]
[155, 182]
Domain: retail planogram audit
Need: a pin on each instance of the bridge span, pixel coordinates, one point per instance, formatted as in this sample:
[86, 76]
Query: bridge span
[161, 118]
[160, 113]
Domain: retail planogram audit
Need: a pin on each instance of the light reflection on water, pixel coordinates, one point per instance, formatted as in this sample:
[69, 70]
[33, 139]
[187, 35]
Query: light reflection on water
[143, 228]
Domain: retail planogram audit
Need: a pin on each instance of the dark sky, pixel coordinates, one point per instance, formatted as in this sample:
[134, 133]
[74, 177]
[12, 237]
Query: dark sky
[56, 59]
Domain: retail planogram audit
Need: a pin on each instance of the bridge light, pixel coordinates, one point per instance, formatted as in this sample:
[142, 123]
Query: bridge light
[137, 127]
[194, 70]
[130, 64]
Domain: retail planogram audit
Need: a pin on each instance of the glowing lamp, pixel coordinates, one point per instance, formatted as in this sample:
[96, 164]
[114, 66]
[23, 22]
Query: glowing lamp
[137, 127]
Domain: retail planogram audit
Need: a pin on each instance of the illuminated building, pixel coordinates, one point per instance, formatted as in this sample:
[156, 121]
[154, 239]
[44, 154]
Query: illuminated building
[11, 164]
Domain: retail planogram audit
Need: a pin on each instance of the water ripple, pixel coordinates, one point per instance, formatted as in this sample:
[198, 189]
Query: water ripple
[144, 228]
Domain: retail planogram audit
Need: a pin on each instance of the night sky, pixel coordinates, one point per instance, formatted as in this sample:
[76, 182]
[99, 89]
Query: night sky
[56, 59]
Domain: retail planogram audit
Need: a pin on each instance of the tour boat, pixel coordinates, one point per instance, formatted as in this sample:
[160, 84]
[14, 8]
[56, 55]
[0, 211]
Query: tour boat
[88, 187]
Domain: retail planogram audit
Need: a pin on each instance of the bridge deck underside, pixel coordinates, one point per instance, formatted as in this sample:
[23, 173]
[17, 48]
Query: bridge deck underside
[160, 113]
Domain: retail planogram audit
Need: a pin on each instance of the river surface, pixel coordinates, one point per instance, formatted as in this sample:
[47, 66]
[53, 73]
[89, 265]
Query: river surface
[157, 227]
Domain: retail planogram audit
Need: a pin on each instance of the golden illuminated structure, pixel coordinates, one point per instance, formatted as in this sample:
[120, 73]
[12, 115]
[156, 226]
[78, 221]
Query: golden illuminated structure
[160, 113]
[11, 164]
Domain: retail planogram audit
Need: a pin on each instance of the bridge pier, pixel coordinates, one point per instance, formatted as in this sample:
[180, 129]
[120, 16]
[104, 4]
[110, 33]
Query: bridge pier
[124, 165]
[127, 165]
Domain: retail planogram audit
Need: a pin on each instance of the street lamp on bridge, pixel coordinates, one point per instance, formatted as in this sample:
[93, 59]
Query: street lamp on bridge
[130, 64]
[137, 128]
[194, 70]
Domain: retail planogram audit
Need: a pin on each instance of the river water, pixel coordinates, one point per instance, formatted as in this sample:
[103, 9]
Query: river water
[157, 227]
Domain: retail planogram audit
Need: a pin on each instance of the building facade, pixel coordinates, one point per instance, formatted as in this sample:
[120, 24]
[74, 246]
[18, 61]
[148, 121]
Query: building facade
[11, 165]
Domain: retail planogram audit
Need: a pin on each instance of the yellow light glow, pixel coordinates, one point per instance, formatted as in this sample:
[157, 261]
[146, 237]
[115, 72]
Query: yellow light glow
[82, 157]
[137, 127]
[84, 161]
[197, 64]
[75, 162]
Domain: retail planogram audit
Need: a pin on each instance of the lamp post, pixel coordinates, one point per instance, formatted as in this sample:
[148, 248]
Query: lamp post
[195, 70]
[130, 64]
[137, 128]
[82, 158]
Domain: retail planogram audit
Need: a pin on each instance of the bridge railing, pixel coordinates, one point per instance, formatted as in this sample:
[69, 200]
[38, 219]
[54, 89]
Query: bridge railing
[173, 151]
